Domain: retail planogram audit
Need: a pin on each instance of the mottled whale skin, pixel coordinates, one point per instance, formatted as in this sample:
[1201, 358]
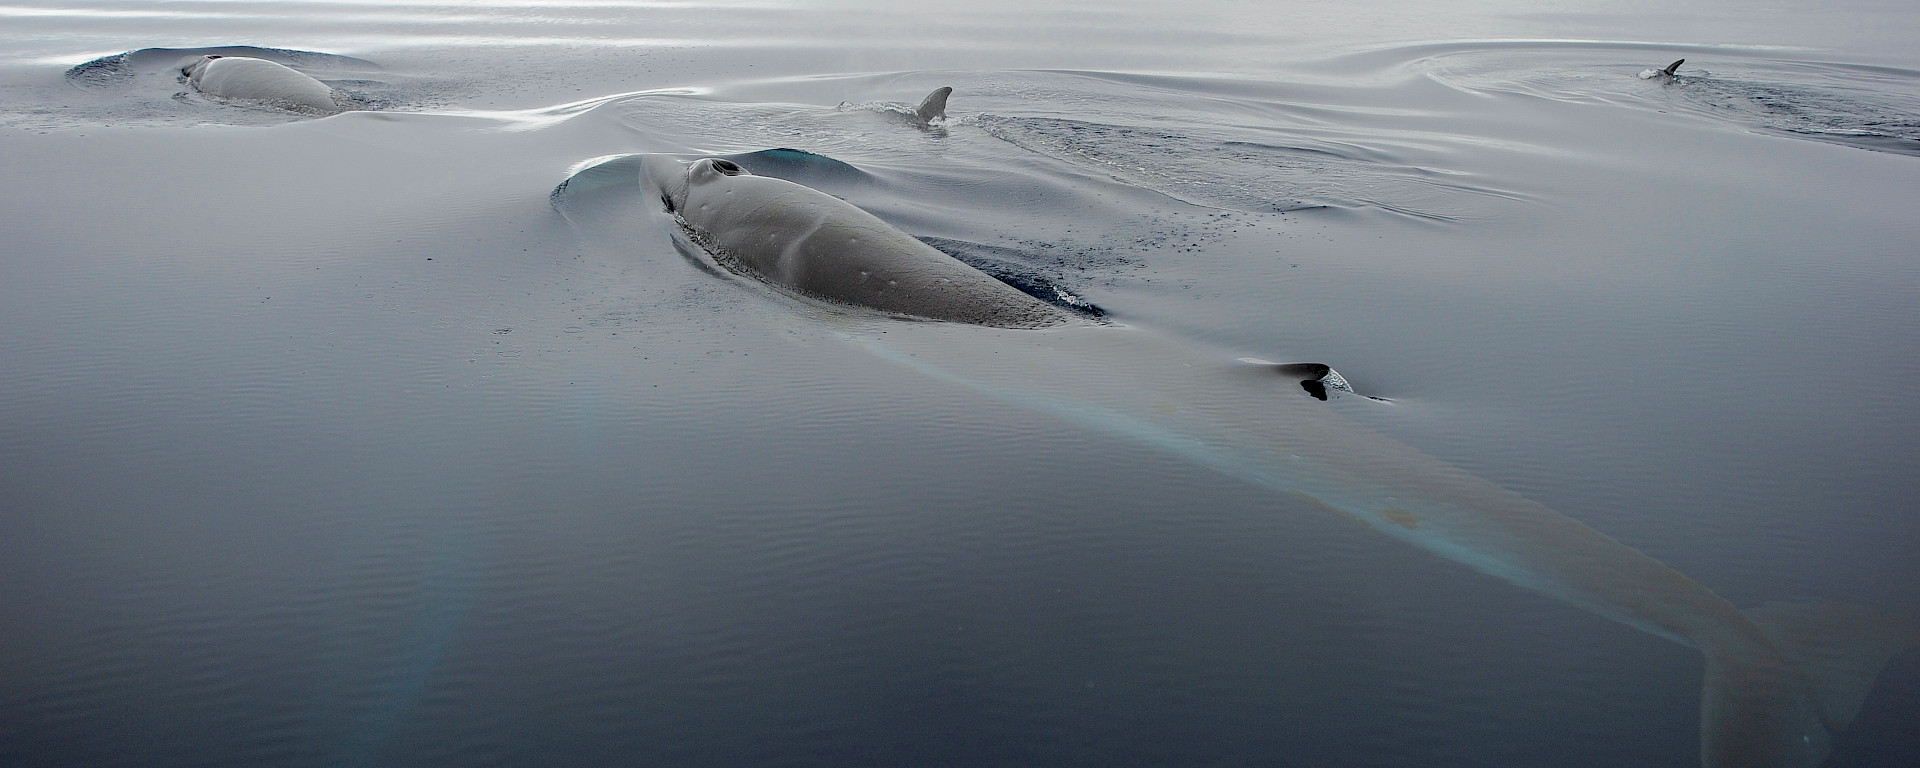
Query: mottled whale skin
[811, 242]
[1781, 680]
[245, 77]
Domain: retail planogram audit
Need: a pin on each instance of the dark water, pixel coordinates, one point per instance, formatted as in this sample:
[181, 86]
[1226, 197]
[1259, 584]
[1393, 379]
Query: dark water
[331, 442]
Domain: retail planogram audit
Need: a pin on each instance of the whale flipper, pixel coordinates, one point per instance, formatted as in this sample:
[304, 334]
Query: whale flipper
[1672, 68]
[1840, 648]
[1782, 700]
[934, 106]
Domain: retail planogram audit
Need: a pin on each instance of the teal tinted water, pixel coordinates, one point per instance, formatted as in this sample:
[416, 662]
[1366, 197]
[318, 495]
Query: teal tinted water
[331, 442]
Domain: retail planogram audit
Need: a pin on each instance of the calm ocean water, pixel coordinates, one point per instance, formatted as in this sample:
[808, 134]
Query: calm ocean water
[330, 441]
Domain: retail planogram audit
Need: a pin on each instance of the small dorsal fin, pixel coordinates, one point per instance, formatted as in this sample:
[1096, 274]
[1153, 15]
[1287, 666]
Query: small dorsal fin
[934, 106]
[1674, 67]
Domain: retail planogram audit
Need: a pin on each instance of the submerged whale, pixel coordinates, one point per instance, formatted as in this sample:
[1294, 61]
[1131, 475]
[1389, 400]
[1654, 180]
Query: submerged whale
[1781, 680]
[245, 77]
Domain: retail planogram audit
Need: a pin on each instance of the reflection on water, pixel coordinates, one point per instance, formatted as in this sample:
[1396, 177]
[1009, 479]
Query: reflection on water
[328, 442]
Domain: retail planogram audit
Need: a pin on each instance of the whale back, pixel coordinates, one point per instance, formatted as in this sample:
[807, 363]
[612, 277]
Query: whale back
[245, 77]
[816, 244]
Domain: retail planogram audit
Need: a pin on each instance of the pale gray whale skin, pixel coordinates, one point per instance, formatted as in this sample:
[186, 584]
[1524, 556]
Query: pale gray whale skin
[245, 77]
[1780, 681]
[814, 243]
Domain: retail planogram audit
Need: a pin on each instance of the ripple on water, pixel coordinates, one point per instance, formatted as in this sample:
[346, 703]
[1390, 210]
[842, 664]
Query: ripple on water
[1866, 106]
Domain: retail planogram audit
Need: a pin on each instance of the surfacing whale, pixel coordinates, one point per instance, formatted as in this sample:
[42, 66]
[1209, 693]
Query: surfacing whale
[1663, 74]
[929, 115]
[934, 106]
[1780, 681]
[122, 69]
[245, 77]
[813, 243]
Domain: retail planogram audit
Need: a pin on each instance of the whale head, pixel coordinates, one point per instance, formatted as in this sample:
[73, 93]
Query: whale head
[197, 64]
[708, 169]
[674, 178]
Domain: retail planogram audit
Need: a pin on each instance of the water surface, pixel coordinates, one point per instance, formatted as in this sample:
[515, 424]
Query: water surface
[330, 442]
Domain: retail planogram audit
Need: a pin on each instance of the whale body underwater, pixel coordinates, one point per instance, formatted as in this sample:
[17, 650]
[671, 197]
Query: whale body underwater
[245, 77]
[1780, 680]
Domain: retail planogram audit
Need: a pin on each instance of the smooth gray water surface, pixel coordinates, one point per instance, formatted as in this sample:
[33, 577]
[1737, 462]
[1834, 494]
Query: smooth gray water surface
[331, 442]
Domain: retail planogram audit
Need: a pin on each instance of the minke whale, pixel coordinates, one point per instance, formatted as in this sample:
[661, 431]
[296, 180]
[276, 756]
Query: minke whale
[245, 77]
[927, 116]
[1780, 680]
[934, 106]
[1662, 74]
[813, 243]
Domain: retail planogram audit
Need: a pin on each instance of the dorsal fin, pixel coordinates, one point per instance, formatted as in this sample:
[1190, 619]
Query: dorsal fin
[934, 106]
[1674, 67]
